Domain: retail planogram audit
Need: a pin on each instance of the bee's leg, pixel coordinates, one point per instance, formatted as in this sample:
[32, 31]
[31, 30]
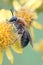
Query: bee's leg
[17, 38]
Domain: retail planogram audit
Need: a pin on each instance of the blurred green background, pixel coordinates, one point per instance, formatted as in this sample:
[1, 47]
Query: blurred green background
[29, 56]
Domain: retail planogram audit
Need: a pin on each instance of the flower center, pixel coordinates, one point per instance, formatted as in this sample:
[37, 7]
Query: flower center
[6, 35]
[26, 15]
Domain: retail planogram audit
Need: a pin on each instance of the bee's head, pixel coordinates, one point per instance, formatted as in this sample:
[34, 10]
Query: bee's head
[13, 18]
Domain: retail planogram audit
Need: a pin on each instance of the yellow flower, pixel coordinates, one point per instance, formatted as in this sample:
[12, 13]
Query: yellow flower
[26, 10]
[4, 14]
[28, 4]
[8, 39]
[30, 19]
[39, 46]
[33, 4]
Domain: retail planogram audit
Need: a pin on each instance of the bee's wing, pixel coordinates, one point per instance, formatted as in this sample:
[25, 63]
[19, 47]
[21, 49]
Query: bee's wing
[32, 33]
[30, 39]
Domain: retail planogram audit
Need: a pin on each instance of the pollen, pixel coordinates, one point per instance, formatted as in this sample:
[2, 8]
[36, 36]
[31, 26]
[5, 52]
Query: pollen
[6, 35]
[26, 15]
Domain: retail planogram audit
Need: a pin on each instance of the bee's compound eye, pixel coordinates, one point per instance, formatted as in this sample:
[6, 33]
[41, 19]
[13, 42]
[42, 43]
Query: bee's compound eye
[13, 19]
[24, 40]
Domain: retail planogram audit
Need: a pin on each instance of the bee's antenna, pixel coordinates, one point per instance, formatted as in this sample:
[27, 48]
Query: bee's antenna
[12, 11]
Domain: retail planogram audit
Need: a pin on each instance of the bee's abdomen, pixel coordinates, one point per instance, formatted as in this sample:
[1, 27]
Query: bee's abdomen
[24, 39]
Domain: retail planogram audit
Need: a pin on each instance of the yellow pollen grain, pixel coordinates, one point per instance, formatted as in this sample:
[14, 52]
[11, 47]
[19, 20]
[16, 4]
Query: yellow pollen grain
[6, 35]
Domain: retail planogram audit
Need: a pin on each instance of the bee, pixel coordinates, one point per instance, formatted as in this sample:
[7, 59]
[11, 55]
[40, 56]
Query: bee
[22, 30]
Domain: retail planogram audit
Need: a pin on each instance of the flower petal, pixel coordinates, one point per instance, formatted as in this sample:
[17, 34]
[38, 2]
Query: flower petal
[36, 47]
[32, 33]
[33, 4]
[17, 47]
[16, 5]
[36, 4]
[5, 14]
[37, 25]
[9, 55]
[39, 46]
[22, 1]
[1, 57]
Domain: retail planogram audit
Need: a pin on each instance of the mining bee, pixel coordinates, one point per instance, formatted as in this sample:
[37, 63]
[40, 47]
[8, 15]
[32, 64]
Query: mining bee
[19, 23]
